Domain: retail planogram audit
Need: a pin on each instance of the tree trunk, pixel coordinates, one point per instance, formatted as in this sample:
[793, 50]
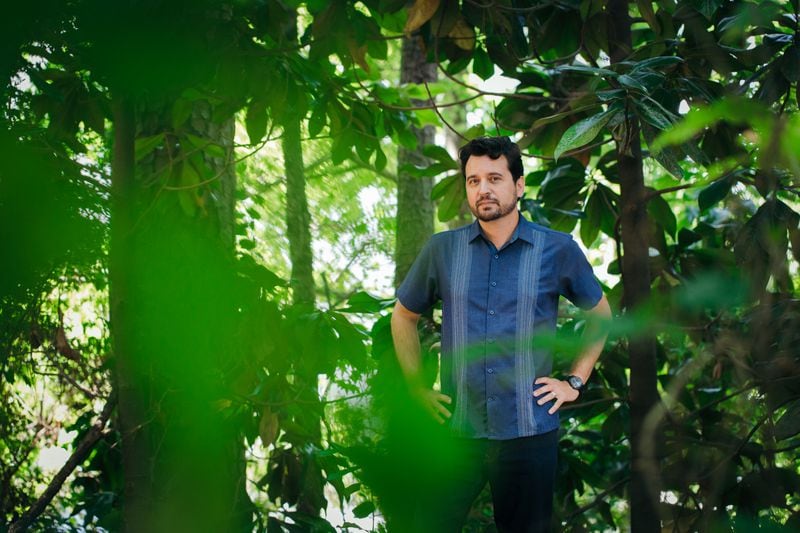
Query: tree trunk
[172, 320]
[644, 496]
[414, 206]
[312, 498]
[297, 216]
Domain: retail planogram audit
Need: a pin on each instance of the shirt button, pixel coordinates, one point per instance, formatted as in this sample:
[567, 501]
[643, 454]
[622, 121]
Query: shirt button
[490, 370]
[491, 312]
[490, 398]
[494, 284]
[497, 256]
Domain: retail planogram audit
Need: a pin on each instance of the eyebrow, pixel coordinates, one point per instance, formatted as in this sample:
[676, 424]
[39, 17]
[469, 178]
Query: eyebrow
[489, 174]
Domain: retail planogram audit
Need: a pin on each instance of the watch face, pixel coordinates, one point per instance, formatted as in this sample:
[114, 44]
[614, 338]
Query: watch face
[575, 382]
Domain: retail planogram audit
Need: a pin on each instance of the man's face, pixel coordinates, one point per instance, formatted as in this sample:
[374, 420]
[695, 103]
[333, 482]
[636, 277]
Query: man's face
[491, 190]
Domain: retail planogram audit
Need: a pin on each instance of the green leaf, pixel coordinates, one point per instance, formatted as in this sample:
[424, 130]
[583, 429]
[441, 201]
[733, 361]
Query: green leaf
[790, 63]
[788, 425]
[255, 121]
[364, 509]
[583, 132]
[440, 189]
[453, 194]
[380, 159]
[657, 62]
[482, 65]
[364, 302]
[632, 83]
[145, 145]
[585, 69]
[439, 154]
[661, 212]
[181, 111]
[558, 116]
[590, 226]
[714, 193]
[205, 145]
[407, 138]
[706, 7]
[475, 131]
[652, 113]
[317, 120]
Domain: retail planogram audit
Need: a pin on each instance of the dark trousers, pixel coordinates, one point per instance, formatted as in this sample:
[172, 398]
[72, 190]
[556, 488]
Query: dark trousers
[521, 475]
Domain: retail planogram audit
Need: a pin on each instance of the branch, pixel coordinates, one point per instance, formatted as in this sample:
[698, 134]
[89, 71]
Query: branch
[78, 456]
[439, 113]
[599, 498]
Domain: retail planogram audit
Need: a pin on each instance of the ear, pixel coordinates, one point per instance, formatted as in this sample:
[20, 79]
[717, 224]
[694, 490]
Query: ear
[520, 186]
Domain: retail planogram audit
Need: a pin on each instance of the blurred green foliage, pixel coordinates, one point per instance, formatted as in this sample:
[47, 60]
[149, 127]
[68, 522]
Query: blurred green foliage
[214, 349]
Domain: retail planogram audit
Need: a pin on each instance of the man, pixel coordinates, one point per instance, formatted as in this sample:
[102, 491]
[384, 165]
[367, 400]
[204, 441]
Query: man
[499, 280]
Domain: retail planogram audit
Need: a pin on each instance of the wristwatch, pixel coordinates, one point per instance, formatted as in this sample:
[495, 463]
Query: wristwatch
[576, 383]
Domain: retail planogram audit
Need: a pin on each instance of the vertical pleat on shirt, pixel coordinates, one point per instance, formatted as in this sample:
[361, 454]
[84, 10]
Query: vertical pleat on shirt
[459, 341]
[528, 292]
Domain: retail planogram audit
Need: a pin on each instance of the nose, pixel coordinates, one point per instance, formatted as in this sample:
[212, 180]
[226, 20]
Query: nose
[483, 187]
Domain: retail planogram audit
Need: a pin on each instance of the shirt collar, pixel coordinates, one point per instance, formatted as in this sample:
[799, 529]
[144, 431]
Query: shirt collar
[524, 231]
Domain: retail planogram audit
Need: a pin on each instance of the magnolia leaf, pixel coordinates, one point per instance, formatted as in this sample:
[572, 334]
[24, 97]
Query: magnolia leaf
[364, 509]
[632, 83]
[463, 35]
[661, 212]
[442, 186]
[558, 116]
[145, 145]
[268, 427]
[482, 65]
[358, 53]
[181, 111]
[788, 424]
[364, 302]
[583, 132]
[652, 114]
[646, 10]
[439, 154]
[255, 121]
[714, 193]
[475, 131]
[380, 159]
[453, 194]
[205, 145]
[584, 69]
[656, 62]
[590, 226]
[420, 13]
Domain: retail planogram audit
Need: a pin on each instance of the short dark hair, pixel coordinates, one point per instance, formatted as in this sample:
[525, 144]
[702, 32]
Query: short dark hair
[494, 147]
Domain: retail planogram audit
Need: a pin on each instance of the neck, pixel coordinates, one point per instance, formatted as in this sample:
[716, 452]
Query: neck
[499, 231]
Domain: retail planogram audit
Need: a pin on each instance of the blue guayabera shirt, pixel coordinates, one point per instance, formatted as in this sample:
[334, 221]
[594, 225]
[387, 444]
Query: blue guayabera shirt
[493, 302]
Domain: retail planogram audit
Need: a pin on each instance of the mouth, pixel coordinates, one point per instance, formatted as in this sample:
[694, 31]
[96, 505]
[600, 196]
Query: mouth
[485, 202]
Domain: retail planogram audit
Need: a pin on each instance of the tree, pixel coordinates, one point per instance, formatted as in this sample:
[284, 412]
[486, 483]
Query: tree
[414, 208]
[668, 132]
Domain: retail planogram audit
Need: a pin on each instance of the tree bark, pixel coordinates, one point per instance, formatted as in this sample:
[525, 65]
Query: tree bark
[312, 498]
[173, 316]
[298, 218]
[414, 205]
[644, 497]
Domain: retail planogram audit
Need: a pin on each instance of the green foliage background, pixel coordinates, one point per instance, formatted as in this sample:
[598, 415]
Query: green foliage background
[708, 90]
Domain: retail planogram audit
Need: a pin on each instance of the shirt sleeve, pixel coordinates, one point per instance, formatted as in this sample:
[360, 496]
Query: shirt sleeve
[577, 282]
[420, 290]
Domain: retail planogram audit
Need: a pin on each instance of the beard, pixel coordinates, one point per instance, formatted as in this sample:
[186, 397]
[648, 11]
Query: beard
[491, 209]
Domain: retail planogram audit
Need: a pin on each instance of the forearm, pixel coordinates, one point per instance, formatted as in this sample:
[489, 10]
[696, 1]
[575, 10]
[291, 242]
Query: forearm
[406, 344]
[595, 335]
